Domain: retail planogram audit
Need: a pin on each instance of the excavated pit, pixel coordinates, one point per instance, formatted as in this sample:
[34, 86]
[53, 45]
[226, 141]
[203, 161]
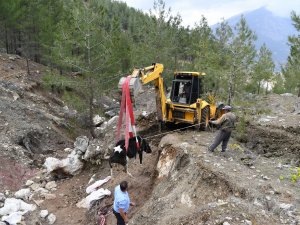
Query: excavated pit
[275, 142]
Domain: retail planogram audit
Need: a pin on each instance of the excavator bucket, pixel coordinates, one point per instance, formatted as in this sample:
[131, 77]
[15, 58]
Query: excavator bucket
[134, 85]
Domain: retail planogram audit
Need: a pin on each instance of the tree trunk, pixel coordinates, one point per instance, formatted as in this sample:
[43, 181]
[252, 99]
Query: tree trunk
[6, 39]
[27, 64]
[91, 108]
[267, 88]
[91, 87]
[230, 89]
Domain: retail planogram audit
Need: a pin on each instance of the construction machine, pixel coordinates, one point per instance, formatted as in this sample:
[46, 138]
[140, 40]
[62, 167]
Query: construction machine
[185, 103]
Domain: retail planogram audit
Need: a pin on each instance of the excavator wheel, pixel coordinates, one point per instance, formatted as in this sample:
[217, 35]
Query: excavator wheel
[205, 114]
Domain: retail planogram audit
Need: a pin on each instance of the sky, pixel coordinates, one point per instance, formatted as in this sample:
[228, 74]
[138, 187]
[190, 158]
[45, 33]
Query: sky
[215, 10]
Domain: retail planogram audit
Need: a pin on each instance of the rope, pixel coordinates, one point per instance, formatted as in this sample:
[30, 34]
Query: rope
[179, 129]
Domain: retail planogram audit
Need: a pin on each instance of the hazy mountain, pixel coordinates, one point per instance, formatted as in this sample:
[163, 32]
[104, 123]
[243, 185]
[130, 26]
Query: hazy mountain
[270, 29]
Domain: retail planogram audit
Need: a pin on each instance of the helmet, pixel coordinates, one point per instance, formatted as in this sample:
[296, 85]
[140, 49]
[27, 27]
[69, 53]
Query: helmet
[227, 107]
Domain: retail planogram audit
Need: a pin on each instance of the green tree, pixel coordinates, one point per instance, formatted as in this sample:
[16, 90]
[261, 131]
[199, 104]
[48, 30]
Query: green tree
[291, 71]
[263, 68]
[237, 53]
[86, 48]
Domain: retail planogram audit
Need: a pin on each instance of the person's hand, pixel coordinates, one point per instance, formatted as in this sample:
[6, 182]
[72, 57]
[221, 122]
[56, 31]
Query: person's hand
[126, 220]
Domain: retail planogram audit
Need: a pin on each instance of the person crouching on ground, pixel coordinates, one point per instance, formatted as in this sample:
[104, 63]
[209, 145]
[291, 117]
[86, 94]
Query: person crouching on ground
[121, 203]
[226, 123]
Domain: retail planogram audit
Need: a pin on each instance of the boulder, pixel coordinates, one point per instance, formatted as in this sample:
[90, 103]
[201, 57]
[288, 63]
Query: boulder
[81, 144]
[51, 218]
[13, 218]
[98, 120]
[12, 205]
[44, 213]
[111, 113]
[29, 182]
[23, 194]
[93, 150]
[71, 165]
[50, 185]
[107, 126]
[52, 164]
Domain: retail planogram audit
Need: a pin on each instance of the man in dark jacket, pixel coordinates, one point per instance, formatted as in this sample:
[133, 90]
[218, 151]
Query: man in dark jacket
[226, 123]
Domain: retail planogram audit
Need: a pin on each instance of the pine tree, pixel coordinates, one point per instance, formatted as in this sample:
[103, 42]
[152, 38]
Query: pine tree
[291, 71]
[85, 48]
[263, 69]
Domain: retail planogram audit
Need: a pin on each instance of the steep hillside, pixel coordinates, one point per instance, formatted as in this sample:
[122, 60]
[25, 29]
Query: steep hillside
[31, 121]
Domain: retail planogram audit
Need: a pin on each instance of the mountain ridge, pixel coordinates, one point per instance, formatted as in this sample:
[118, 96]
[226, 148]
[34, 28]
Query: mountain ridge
[270, 29]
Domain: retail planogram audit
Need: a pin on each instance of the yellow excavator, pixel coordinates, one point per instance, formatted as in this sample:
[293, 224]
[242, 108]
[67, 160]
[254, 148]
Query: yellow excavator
[184, 104]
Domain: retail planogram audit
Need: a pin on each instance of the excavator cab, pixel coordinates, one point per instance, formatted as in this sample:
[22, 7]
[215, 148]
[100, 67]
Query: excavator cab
[186, 87]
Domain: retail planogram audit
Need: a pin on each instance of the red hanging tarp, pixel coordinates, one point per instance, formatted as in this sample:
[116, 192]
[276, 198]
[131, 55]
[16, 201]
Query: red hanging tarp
[126, 107]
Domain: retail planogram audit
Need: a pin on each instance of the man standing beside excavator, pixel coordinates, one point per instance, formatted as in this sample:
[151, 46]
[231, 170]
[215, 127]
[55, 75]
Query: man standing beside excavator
[227, 124]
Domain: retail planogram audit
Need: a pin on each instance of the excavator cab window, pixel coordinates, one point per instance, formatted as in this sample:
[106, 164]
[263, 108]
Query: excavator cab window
[186, 89]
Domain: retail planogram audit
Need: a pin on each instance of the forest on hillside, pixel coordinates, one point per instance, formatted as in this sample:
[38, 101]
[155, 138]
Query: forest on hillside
[93, 43]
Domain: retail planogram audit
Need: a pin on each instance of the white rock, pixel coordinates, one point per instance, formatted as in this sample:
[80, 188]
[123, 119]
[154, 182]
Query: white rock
[81, 143]
[41, 190]
[112, 121]
[248, 222]
[23, 194]
[91, 152]
[101, 193]
[35, 186]
[286, 207]
[68, 150]
[52, 164]
[44, 213]
[2, 223]
[98, 120]
[51, 218]
[14, 205]
[29, 182]
[15, 96]
[226, 223]
[186, 200]
[144, 113]
[97, 184]
[13, 218]
[50, 185]
[70, 165]
[166, 162]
